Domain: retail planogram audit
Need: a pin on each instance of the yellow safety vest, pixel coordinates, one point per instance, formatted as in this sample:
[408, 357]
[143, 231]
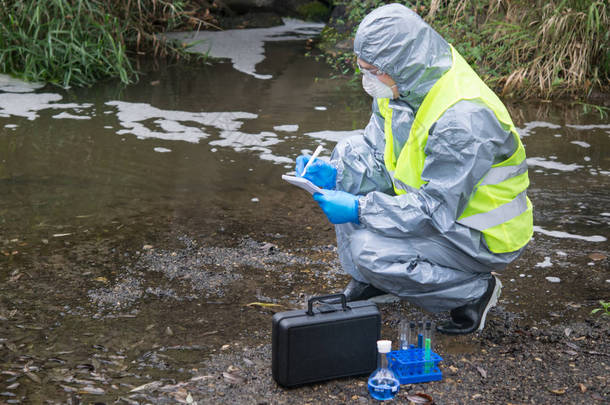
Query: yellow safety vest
[498, 206]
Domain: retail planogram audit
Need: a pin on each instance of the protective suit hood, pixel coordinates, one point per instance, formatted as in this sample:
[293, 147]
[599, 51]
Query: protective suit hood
[397, 41]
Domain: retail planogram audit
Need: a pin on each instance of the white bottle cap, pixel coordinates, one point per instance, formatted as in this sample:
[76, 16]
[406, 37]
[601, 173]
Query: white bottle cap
[384, 346]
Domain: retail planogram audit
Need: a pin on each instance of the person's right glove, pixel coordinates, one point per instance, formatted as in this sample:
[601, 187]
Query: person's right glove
[340, 207]
[320, 173]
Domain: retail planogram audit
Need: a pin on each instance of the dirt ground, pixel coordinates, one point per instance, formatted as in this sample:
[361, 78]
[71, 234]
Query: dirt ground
[158, 314]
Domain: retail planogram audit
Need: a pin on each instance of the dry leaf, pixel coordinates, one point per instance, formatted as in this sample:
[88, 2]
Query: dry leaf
[482, 371]
[149, 386]
[232, 378]
[582, 387]
[559, 391]
[597, 256]
[264, 305]
[33, 377]
[91, 390]
[420, 398]
[571, 352]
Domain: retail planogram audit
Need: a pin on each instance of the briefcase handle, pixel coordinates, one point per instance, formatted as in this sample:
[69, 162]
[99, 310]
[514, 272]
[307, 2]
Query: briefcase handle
[325, 297]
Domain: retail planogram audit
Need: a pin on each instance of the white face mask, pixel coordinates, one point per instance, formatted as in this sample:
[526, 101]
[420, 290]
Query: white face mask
[375, 88]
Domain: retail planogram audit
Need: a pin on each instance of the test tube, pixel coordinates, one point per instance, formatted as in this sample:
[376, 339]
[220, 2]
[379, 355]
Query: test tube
[428, 332]
[427, 347]
[403, 335]
[420, 335]
[412, 334]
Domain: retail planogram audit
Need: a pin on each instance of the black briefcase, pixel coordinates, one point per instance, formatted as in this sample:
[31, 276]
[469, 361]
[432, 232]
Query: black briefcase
[326, 342]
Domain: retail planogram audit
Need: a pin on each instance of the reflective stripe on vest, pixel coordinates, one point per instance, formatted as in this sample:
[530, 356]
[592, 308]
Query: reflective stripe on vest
[498, 206]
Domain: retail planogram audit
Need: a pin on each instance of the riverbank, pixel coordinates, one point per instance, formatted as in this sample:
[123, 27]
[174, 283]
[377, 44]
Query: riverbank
[544, 50]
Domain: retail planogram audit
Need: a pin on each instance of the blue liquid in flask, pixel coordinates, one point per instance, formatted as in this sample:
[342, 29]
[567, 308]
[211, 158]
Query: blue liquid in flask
[383, 388]
[383, 383]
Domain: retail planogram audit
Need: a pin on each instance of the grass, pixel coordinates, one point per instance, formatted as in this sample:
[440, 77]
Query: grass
[522, 48]
[78, 42]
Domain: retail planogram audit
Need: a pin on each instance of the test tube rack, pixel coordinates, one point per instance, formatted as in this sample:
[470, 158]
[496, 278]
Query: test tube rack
[410, 366]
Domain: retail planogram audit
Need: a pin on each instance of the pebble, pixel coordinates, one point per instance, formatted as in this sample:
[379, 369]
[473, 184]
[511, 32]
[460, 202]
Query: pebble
[553, 279]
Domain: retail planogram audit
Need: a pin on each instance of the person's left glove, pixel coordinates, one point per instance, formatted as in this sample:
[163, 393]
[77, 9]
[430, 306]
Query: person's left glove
[320, 173]
[340, 207]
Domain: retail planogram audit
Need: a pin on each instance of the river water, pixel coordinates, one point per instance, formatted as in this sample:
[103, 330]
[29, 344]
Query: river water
[144, 227]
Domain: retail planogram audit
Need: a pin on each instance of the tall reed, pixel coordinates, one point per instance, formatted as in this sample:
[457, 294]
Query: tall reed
[61, 41]
[523, 48]
[77, 42]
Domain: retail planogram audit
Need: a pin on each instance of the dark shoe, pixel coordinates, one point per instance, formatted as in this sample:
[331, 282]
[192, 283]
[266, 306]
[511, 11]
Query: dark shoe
[357, 291]
[471, 317]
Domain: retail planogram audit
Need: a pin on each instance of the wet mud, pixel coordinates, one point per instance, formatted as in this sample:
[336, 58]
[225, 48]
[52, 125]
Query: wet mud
[181, 317]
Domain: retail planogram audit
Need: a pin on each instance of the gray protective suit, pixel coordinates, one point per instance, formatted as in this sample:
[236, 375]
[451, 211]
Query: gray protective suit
[410, 245]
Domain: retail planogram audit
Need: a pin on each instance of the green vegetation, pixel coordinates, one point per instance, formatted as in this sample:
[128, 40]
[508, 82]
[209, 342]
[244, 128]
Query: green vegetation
[314, 11]
[77, 42]
[605, 307]
[522, 48]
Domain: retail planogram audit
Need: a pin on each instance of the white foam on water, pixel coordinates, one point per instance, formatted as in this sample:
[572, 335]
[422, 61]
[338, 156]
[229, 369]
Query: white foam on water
[255, 199]
[605, 214]
[587, 159]
[65, 115]
[171, 124]
[286, 128]
[267, 155]
[561, 253]
[545, 263]
[161, 150]
[542, 162]
[241, 141]
[27, 105]
[565, 235]
[552, 279]
[11, 126]
[334, 136]
[320, 108]
[581, 143]
[245, 47]
[11, 85]
[529, 126]
[587, 127]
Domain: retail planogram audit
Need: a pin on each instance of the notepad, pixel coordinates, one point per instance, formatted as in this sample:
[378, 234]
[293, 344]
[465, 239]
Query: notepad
[303, 183]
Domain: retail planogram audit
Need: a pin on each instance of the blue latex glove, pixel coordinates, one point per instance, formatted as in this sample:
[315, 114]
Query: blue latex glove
[320, 173]
[340, 207]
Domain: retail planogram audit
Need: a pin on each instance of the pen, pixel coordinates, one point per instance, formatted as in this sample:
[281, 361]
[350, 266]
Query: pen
[315, 155]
